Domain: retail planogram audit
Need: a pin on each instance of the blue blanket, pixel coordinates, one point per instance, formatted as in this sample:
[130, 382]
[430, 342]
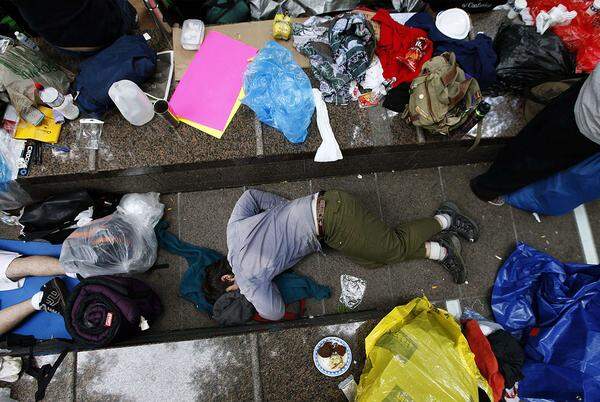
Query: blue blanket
[40, 325]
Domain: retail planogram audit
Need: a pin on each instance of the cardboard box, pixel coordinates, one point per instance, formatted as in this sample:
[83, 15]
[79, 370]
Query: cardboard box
[254, 33]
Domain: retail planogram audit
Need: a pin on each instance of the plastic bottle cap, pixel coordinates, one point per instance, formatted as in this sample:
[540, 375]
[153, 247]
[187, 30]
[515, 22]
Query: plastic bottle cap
[454, 23]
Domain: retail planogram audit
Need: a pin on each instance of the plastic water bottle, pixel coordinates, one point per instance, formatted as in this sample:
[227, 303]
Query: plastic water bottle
[482, 109]
[594, 8]
[132, 102]
[26, 41]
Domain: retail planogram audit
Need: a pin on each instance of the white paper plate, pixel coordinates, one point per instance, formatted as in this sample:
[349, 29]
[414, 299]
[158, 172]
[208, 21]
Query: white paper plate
[320, 362]
[454, 23]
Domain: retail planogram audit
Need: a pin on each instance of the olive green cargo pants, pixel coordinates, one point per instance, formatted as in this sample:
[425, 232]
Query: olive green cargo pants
[365, 239]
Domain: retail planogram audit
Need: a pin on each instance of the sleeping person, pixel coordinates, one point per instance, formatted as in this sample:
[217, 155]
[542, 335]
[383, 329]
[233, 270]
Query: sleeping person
[52, 297]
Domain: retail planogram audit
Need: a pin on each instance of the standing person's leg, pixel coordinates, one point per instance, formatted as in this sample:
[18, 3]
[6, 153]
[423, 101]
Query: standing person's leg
[551, 142]
[52, 298]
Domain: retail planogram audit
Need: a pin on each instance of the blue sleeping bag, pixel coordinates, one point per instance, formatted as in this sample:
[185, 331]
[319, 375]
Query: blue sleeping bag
[40, 325]
[562, 303]
[562, 192]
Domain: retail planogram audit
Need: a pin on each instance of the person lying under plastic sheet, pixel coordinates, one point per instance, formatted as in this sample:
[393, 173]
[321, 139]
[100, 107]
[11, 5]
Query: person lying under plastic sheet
[268, 234]
[562, 135]
[52, 297]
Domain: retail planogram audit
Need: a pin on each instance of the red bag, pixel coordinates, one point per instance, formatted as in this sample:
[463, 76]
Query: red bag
[580, 36]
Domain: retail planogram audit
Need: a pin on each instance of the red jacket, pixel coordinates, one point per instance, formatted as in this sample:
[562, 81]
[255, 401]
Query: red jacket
[394, 40]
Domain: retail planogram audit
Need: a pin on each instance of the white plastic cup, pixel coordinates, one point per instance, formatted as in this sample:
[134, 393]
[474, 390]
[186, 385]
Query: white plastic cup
[192, 34]
[132, 102]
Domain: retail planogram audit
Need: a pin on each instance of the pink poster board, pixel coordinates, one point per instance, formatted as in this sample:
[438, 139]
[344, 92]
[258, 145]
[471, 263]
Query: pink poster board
[209, 88]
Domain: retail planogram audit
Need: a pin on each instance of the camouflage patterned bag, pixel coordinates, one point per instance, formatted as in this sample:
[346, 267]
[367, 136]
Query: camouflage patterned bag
[441, 98]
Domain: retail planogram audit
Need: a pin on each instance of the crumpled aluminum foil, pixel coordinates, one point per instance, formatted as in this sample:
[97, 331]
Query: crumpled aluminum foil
[353, 290]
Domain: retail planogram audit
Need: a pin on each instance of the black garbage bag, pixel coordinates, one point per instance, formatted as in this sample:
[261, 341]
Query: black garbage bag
[527, 59]
[54, 218]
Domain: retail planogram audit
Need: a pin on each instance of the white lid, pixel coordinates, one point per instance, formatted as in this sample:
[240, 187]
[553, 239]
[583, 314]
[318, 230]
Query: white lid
[49, 95]
[454, 23]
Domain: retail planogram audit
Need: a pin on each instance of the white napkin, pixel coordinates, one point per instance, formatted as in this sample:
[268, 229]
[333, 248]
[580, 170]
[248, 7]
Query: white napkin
[329, 150]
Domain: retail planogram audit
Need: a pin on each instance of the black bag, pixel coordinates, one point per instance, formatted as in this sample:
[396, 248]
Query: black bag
[51, 218]
[105, 309]
[470, 6]
[215, 11]
[527, 59]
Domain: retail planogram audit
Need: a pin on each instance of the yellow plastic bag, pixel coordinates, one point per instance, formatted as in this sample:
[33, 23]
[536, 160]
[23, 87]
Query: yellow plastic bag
[418, 353]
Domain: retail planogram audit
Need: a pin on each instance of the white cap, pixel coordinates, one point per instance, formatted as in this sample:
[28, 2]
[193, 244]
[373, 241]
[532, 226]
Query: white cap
[454, 23]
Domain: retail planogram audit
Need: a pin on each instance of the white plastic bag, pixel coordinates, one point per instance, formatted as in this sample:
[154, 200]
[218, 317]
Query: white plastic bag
[10, 368]
[121, 243]
[329, 150]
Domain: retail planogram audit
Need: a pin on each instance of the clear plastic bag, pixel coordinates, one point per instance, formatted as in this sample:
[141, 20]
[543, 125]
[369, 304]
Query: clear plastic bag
[121, 243]
[12, 196]
[279, 92]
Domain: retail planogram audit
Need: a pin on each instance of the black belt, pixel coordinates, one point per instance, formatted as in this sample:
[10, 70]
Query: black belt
[320, 213]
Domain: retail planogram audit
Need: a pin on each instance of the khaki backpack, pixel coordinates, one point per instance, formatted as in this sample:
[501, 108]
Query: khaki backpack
[441, 97]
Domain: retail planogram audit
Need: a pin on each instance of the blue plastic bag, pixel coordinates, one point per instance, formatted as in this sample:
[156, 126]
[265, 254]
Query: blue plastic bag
[534, 290]
[279, 92]
[561, 192]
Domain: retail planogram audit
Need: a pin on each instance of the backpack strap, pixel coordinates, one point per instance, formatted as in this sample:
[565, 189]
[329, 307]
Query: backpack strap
[452, 72]
[477, 137]
[44, 374]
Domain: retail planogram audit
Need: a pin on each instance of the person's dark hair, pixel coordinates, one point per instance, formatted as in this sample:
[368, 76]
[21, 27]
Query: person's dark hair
[213, 286]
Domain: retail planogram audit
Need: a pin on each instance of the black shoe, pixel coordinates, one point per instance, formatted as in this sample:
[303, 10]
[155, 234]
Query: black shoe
[462, 225]
[54, 297]
[453, 262]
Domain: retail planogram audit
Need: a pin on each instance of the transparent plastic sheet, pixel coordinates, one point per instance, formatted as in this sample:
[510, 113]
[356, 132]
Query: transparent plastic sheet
[353, 290]
[20, 68]
[12, 196]
[279, 92]
[121, 243]
[418, 353]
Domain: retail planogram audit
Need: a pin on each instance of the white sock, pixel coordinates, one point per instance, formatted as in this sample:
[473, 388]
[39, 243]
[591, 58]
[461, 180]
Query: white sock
[435, 251]
[36, 300]
[445, 220]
